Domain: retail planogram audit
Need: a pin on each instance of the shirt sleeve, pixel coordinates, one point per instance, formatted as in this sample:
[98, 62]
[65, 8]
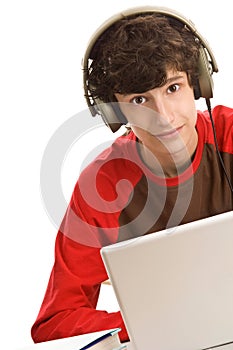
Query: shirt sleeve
[69, 305]
[90, 222]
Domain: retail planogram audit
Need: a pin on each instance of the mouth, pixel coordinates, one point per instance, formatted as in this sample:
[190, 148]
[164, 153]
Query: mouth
[170, 133]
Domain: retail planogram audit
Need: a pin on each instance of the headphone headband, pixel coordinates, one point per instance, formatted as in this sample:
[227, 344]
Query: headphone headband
[207, 62]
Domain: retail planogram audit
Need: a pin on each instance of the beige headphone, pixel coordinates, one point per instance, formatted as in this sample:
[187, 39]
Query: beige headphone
[112, 115]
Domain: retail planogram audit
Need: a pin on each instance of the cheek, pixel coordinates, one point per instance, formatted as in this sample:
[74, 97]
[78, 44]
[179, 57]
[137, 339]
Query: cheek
[193, 115]
[190, 110]
[139, 117]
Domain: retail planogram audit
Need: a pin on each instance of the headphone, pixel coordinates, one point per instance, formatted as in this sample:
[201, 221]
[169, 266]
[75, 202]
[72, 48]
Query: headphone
[110, 112]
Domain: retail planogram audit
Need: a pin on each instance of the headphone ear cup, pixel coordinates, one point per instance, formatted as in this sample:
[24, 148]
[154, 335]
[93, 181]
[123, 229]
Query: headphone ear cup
[111, 114]
[205, 81]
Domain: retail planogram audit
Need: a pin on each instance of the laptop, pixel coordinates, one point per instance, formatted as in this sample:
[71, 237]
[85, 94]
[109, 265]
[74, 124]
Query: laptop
[175, 287]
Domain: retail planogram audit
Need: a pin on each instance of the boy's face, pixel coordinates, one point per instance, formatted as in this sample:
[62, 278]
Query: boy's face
[164, 118]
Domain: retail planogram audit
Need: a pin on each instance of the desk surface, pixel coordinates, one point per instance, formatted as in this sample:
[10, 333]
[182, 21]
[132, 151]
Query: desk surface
[130, 347]
[222, 347]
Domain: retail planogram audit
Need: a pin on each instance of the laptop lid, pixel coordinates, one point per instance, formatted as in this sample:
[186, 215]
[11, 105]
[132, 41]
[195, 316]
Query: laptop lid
[175, 287]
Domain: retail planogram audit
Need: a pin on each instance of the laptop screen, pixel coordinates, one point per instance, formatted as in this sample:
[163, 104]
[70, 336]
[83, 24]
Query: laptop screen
[175, 287]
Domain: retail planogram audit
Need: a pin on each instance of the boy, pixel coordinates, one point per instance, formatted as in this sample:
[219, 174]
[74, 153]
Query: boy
[143, 69]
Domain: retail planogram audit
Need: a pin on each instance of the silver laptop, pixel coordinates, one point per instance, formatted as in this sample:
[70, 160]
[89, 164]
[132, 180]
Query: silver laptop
[175, 287]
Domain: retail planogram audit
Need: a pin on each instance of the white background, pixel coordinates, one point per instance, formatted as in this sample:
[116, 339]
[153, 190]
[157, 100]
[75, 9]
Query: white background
[42, 44]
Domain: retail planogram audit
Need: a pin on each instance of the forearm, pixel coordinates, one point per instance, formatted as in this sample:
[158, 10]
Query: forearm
[69, 323]
[69, 305]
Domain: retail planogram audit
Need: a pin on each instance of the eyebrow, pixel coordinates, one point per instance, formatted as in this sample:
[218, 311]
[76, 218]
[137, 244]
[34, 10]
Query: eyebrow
[168, 81]
[172, 79]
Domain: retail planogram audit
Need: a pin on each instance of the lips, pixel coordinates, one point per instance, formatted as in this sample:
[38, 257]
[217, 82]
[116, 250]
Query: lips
[169, 133]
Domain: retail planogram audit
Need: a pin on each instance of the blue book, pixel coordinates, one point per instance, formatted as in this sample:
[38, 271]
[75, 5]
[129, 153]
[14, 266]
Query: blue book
[102, 340]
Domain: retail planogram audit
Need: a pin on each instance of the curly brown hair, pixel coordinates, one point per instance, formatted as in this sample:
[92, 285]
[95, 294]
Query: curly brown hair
[133, 55]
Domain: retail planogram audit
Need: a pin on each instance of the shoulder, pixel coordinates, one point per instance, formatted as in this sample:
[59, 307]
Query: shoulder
[223, 123]
[111, 166]
[221, 112]
[223, 116]
[116, 155]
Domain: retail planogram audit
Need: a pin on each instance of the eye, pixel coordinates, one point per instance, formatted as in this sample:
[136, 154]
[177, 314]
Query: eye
[138, 100]
[173, 88]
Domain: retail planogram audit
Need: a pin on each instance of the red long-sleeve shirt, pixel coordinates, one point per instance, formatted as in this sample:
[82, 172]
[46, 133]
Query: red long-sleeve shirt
[116, 197]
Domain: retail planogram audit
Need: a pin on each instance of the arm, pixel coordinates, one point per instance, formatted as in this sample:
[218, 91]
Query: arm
[91, 221]
[69, 306]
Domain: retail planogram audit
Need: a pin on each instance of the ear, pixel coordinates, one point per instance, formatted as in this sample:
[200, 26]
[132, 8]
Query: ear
[205, 83]
[111, 114]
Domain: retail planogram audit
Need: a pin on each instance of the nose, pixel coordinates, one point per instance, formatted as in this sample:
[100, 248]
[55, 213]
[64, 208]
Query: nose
[163, 109]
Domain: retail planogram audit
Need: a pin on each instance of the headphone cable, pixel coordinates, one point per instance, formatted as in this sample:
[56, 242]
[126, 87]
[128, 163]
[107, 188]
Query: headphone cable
[216, 145]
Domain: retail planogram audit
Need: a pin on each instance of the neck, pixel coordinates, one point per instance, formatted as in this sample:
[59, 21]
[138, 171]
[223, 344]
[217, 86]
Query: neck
[167, 164]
